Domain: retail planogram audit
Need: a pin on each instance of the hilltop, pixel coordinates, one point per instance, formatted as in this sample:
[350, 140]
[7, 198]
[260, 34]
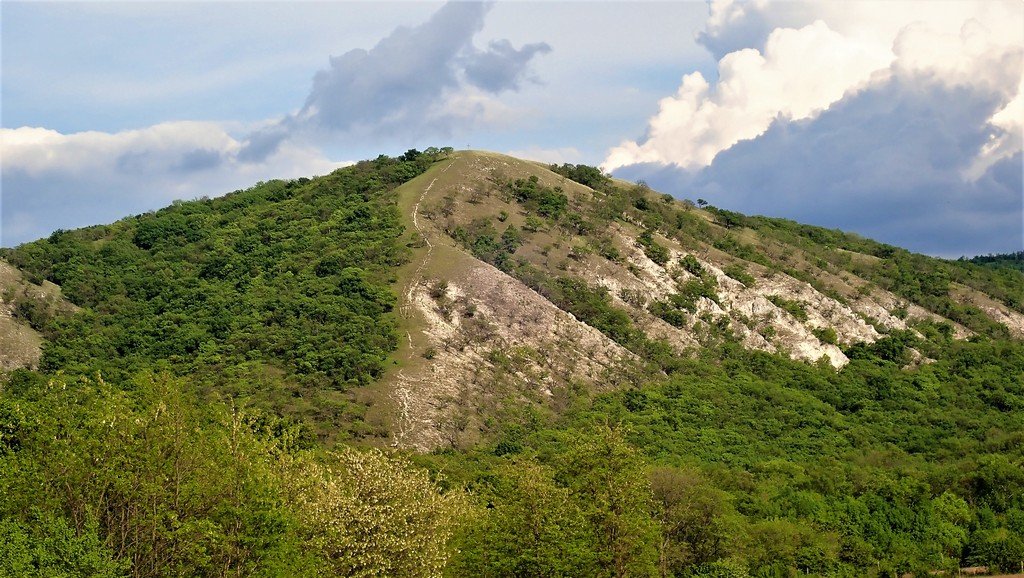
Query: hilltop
[509, 252]
[461, 363]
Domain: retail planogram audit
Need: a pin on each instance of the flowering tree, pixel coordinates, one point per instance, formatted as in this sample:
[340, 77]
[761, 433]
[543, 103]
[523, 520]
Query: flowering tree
[372, 514]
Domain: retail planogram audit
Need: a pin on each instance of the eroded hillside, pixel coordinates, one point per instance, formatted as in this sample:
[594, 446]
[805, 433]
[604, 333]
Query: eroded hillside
[24, 306]
[502, 284]
[525, 283]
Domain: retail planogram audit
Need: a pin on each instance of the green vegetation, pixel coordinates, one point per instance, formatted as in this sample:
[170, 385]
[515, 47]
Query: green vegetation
[794, 308]
[768, 467]
[196, 417]
[278, 293]
[685, 299]
[925, 281]
[545, 201]
[826, 335]
[761, 466]
[739, 273]
[652, 249]
[483, 240]
[583, 174]
[144, 480]
[1008, 260]
[692, 265]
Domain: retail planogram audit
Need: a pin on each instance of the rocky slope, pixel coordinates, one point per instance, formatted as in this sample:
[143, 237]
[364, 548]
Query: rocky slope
[22, 305]
[478, 337]
[526, 285]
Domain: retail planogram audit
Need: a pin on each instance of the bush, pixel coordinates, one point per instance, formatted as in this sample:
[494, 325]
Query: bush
[370, 514]
[652, 249]
[826, 335]
[795, 308]
[692, 265]
[739, 273]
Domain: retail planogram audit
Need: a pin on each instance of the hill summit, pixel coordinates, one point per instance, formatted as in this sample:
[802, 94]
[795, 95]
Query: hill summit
[530, 277]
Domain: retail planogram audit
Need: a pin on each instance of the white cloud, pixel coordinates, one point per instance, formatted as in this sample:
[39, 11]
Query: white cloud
[34, 150]
[83, 178]
[900, 120]
[1005, 141]
[799, 72]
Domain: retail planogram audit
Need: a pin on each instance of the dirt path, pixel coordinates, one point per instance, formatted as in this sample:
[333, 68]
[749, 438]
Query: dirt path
[405, 424]
[416, 276]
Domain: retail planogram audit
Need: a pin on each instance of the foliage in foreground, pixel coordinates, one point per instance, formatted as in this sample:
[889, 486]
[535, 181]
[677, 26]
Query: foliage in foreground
[96, 480]
[750, 464]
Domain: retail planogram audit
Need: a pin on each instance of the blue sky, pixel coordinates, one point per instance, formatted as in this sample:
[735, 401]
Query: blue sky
[899, 121]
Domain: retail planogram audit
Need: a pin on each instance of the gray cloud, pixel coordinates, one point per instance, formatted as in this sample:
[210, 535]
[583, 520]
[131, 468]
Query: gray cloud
[262, 143]
[200, 159]
[750, 26]
[501, 67]
[887, 163]
[136, 162]
[155, 161]
[400, 76]
[401, 84]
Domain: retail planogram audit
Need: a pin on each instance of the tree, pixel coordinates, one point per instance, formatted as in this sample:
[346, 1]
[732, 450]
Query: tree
[47, 547]
[608, 479]
[371, 514]
[534, 528]
[165, 487]
[694, 530]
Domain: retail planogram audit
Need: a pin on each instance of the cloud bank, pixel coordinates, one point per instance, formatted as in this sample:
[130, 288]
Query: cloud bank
[901, 123]
[55, 180]
[420, 82]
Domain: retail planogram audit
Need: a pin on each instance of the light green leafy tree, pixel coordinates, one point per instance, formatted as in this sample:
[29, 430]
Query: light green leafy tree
[371, 514]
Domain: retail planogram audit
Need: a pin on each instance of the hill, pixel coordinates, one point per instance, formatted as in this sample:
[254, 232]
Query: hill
[520, 260]
[25, 307]
[579, 376]
[1009, 260]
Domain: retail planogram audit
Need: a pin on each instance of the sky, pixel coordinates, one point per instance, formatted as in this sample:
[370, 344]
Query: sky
[900, 121]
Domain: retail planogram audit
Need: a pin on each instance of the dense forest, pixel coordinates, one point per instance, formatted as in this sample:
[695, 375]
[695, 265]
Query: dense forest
[196, 416]
[1011, 260]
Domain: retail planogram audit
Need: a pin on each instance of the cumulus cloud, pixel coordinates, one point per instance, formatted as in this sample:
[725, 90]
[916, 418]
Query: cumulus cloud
[734, 25]
[849, 169]
[54, 180]
[823, 109]
[800, 73]
[406, 83]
